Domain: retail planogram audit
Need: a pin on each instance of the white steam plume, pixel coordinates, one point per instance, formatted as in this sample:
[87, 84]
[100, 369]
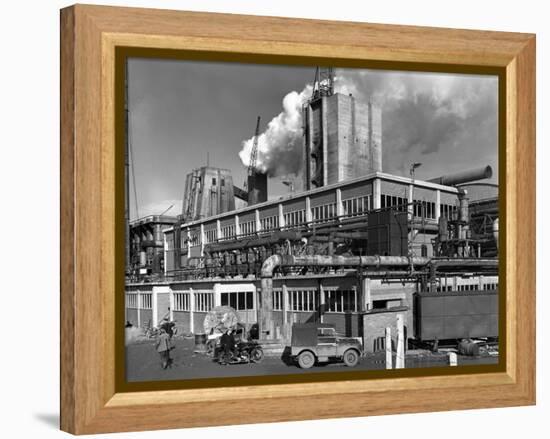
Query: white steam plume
[280, 145]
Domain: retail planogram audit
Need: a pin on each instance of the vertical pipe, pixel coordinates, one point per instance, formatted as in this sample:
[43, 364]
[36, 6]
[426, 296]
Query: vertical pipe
[266, 316]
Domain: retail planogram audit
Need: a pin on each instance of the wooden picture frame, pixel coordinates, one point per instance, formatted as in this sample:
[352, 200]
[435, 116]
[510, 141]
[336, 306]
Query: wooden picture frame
[91, 401]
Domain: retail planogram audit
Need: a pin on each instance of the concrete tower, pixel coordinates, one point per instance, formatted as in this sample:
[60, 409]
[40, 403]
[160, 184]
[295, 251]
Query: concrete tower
[208, 191]
[342, 139]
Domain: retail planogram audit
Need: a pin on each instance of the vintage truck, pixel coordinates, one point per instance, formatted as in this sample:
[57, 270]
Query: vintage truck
[318, 342]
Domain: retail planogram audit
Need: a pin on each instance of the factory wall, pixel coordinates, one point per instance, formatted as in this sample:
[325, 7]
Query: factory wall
[374, 327]
[377, 298]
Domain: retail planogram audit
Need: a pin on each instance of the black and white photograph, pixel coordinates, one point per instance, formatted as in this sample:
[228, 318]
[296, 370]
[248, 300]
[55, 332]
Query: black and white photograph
[285, 219]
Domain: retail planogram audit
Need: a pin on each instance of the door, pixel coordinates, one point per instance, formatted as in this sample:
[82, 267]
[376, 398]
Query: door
[326, 342]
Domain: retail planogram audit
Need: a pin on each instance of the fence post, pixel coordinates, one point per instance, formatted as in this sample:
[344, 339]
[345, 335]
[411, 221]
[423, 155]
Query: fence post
[400, 356]
[453, 360]
[388, 349]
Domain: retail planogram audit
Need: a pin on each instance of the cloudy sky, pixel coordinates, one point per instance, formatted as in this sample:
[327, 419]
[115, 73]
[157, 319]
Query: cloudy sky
[181, 110]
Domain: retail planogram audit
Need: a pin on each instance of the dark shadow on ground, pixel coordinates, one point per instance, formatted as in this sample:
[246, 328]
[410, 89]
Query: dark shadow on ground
[50, 419]
[287, 358]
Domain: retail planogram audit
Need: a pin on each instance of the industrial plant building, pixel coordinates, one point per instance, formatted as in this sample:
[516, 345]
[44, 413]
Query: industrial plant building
[357, 247]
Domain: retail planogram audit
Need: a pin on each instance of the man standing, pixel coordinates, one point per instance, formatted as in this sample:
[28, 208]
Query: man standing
[163, 347]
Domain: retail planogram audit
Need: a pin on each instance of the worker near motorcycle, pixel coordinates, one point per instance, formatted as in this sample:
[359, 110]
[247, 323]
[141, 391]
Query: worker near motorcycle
[227, 342]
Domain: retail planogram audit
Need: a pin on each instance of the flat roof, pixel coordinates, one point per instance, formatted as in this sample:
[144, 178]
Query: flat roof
[154, 219]
[284, 198]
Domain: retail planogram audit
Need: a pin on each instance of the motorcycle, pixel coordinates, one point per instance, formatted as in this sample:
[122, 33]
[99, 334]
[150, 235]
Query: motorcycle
[244, 352]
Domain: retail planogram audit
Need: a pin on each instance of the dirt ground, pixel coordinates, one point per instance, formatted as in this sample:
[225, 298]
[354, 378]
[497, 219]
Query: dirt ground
[143, 363]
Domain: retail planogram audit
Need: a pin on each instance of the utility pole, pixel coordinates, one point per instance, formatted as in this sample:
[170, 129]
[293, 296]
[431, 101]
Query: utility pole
[413, 168]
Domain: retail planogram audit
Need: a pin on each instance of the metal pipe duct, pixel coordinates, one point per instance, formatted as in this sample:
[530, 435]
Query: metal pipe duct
[464, 176]
[274, 261]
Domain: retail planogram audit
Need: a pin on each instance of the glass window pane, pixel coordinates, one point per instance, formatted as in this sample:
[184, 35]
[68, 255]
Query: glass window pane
[241, 300]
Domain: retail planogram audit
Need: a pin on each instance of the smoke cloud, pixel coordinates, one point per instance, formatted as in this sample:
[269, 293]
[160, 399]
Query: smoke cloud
[427, 116]
[436, 118]
[280, 145]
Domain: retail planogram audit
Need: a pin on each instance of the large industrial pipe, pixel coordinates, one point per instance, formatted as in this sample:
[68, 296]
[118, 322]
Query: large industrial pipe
[274, 261]
[464, 176]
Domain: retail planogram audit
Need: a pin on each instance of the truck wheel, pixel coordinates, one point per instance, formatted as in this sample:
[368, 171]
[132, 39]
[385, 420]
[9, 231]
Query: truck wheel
[351, 358]
[306, 360]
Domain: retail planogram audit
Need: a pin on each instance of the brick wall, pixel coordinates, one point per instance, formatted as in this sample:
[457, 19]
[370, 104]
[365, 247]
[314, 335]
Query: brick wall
[376, 322]
[348, 324]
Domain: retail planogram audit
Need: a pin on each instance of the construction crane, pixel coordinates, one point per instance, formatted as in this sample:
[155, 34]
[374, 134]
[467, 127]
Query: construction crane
[253, 156]
[323, 84]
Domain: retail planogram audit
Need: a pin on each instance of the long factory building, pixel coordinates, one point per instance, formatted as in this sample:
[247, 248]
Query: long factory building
[216, 260]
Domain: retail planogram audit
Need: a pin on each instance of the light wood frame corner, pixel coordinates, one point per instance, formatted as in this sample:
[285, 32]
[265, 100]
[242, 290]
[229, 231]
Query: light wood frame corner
[89, 37]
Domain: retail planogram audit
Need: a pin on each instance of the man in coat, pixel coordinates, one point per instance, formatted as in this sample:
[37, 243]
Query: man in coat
[163, 347]
[227, 343]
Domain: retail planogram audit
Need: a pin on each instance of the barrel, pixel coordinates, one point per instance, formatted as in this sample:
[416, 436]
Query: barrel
[200, 343]
[467, 347]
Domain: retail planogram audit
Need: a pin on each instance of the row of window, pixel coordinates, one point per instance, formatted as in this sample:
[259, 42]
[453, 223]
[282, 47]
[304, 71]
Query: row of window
[357, 206]
[351, 207]
[228, 231]
[302, 300]
[392, 201]
[211, 235]
[181, 302]
[298, 300]
[421, 209]
[139, 300]
[238, 300]
[324, 212]
[308, 300]
[467, 287]
[205, 301]
[195, 238]
[424, 209]
[248, 228]
[295, 218]
[214, 181]
[270, 222]
[447, 210]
